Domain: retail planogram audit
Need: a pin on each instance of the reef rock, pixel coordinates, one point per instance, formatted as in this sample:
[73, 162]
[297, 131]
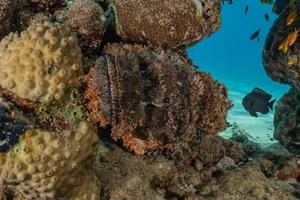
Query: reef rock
[7, 8]
[154, 99]
[86, 18]
[123, 175]
[169, 23]
[281, 55]
[286, 121]
[40, 64]
[247, 182]
[47, 5]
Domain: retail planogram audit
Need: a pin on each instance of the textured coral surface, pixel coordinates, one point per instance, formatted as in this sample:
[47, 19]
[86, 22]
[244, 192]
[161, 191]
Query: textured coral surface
[281, 54]
[40, 64]
[43, 165]
[99, 101]
[86, 18]
[286, 121]
[248, 183]
[7, 8]
[170, 23]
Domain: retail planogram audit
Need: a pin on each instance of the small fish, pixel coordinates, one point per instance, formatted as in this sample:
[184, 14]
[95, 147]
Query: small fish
[246, 9]
[267, 17]
[284, 46]
[291, 61]
[292, 37]
[255, 35]
[258, 101]
[291, 17]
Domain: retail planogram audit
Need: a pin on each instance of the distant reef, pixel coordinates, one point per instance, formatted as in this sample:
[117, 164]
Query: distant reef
[100, 101]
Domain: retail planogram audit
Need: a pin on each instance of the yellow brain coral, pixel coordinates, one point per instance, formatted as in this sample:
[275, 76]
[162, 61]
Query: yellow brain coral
[44, 165]
[41, 63]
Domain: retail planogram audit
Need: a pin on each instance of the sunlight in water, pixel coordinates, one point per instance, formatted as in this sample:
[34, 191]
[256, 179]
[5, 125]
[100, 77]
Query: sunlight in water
[236, 61]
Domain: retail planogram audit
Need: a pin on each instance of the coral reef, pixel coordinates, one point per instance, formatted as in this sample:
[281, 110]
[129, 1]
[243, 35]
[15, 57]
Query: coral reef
[124, 175]
[41, 64]
[132, 89]
[247, 182]
[7, 8]
[86, 18]
[281, 61]
[98, 100]
[286, 121]
[47, 5]
[43, 165]
[169, 23]
[281, 52]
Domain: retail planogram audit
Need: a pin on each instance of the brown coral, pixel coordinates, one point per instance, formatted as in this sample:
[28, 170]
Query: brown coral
[286, 121]
[86, 18]
[48, 5]
[7, 8]
[170, 23]
[153, 98]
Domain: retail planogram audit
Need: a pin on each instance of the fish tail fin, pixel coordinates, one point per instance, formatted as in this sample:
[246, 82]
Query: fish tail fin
[271, 103]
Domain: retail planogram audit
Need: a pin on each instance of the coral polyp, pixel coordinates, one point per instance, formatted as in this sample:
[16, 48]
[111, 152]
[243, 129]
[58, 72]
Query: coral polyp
[43, 165]
[40, 64]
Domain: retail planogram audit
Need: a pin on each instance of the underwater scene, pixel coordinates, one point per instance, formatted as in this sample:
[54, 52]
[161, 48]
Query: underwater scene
[233, 58]
[149, 100]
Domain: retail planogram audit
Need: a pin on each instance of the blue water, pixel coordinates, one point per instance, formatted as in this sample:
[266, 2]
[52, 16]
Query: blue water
[235, 60]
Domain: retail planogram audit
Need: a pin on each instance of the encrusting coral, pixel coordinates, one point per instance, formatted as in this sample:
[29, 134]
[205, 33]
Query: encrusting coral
[48, 5]
[170, 23]
[86, 18]
[41, 64]
[281, 52]
[7, 8]
[43, 165]
[282, 61]
[286, 121]
[153, 98]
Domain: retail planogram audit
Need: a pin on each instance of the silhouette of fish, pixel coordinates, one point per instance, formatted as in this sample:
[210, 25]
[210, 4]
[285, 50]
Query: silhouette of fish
[258, 101]
[267, 17]
[255, 35]
[246, 9]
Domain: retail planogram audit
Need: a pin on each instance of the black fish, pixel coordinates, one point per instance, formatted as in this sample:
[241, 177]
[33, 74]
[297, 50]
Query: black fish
[258, 101]
[267, 17]
[246, 9]
[255, 35]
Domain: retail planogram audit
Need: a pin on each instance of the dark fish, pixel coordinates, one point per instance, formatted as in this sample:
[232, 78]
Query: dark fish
[246, 9]
[255, 35]
[267, 17]
[258, 101]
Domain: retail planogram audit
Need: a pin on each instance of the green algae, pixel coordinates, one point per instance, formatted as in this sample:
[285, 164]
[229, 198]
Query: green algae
[71, 109]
